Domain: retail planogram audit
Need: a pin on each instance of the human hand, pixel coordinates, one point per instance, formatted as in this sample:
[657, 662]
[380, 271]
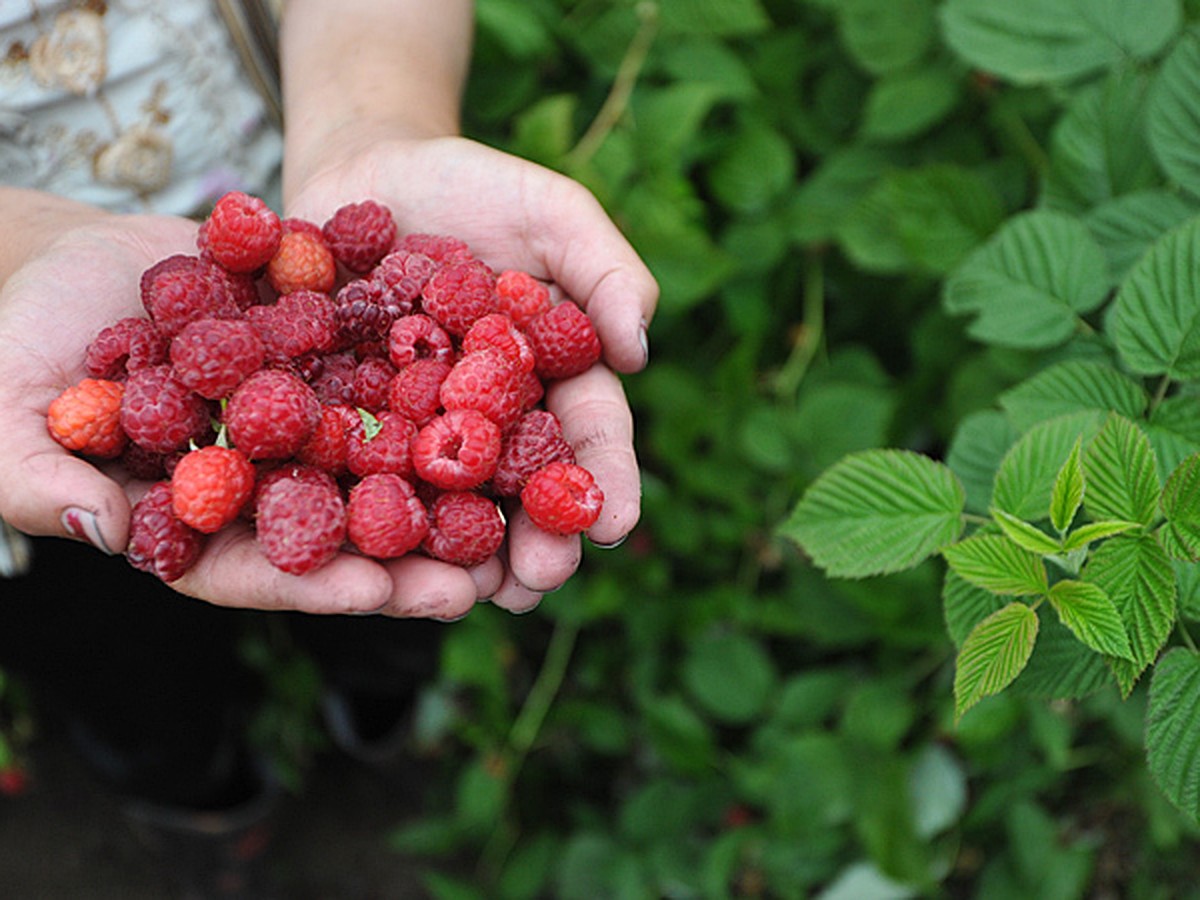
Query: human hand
[515, 214]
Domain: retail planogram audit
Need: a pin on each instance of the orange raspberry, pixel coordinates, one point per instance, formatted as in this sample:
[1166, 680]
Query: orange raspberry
[86, 418]
[302, 263]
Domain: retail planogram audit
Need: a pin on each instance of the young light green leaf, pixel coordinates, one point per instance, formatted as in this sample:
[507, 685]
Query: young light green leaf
[1067, 495]
[996, 564]
[1031, 282]
[1028, 537]
[1173, 113]
[1071, 387]
[1091, 616]
[1025, 480]
[1173, 729]
[1181, 506]
[877, 511]
[994, 654]
[1121, 473]
[1095, 531]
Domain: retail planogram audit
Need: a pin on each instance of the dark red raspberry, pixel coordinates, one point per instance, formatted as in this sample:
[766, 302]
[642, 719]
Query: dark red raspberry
[497, 330]
[302, 263]
[372, 379]
[564, 341]
[381, 443]
[143, 464]
[241, 233]
[465, 528]
[418, 337]
[385, 518]
[241, 289]
[457, 450]
[328, 445]
[210, 486]
[181, 289]
[535, 441]
[403, 274]
[456, 295]
[332, 376]
[212, 356]
[299, 524]
[532, 390]
[415, 391]
[360, 234]
[485, 381]
[562, 498]
[365, 310]
[86, 418]
[159, 543]
[160, 413]
[521, 297]
[271, 414]
[293, 224]
[299, 323]
[442, 249]
[125, 346]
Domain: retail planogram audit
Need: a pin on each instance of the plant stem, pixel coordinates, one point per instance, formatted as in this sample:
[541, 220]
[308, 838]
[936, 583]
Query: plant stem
[1186, 635]
[812, 330]
[1160, 393]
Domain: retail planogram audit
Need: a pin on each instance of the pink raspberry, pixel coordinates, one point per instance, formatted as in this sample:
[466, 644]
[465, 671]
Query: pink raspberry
[485, 381]
[418, 337]
[241, 233]
[181, 289]
[381, 443]
[441, 248]
[302, 263]
[562, 498]
[327, 447]
[564, 341]
[365, 309]
[465, 528]
[125, 346]
[160, 413]
[535, 441]
[457, 450]
[497, 330]
[298, 323]
[402, 275]
[271, 414]
[299, 525]
[456, 295]
[360, 234]
[415, 391]
[385, 518]
[521, 297]
[212, 356]
[210, 486]
[372, 379]
[159, 543]
[332, 377]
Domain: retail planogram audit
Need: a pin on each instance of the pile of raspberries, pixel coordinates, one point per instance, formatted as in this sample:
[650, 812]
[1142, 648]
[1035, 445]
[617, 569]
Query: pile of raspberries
[341, 386]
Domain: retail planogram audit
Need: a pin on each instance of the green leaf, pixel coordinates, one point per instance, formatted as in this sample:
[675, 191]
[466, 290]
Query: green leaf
[1025, 480]
[832, 190]
[1067, 495]
[1031, 282]
[904, 104]
[1173, 113]
[877, 511]
[1174, 431]
[1121, 473]
[719, 18]
[1091, 616]
[1024, 535]
[996, 564]
[885, 35]
[1095, 531]
[1137, 574]
[1061, 667]
[1070, 387]
[1032, 41]
[515, 25]
[978, 445]
[1181, 505]
[756, 167]
[1155, 319]
[1126, 226]
[730, 676]
[994, 654]
[938, 788]
[1173, 729]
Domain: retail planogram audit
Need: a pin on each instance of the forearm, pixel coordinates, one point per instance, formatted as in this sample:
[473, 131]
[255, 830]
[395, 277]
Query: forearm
[31, 220]
[358, 70]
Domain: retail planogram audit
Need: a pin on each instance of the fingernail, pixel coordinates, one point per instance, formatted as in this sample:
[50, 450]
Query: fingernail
[449, 619]
[613, 546]
[81, 523]
[644, 340]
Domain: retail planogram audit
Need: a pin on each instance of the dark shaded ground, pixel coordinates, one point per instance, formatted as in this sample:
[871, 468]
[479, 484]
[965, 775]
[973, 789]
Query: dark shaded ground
[66, 838]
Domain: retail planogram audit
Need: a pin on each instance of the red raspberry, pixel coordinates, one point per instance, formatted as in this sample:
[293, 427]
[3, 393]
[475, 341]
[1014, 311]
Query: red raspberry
[212, 356]
[125, 346]
[562, 498]
[328, 445]
[293, 224]
[159, 543]
[535, 441]
[485, 381]
[240, 288]
[465, 528]
[442, 249]
[360, 234]
[160, 413]
[365, 310]
[300, 322]
[403, 274]
[299, 524]
[564, 341]
[381, 443]
[521, 297]
[302, 263]
[457, 450]
[86, 418]
[418, 337]
[210, 486]
[532, 390]
[372, 379]
[414, 391]
[241, 233]
[271, 414]
[457, 295]
[269, 472]
[332, 377]
[181, 289]
[385, 517]
[497, 330]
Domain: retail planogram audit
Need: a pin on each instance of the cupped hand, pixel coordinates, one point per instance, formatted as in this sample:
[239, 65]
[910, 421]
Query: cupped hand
[515, 214]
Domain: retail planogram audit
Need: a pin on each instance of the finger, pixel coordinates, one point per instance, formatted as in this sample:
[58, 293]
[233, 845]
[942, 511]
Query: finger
[515, 597]
[596, 421]
[538, 560]
[428, 589]
[488, 577]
